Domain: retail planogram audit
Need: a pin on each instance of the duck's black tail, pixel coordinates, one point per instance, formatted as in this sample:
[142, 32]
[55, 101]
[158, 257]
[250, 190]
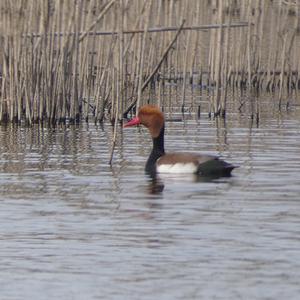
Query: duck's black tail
[216, 167]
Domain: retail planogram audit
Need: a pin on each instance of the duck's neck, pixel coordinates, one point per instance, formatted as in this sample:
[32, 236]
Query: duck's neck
[157, 151]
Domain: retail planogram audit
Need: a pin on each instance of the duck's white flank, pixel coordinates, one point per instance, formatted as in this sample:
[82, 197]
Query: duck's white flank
[177, 168]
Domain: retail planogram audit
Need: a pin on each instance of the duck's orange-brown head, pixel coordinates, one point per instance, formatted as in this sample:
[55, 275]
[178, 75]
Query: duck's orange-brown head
[151, 117]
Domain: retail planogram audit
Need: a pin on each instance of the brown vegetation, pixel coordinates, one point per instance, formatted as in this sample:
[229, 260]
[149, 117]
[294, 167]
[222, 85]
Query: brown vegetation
[68, 60]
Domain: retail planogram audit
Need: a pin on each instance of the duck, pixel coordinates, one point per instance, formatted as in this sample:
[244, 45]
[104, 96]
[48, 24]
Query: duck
[159, 161]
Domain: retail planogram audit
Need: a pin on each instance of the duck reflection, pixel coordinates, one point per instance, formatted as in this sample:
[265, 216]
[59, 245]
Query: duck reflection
[157, 182]
[155, 185]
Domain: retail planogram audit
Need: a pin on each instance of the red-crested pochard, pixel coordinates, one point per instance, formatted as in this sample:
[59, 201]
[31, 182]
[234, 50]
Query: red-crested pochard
[159, 162]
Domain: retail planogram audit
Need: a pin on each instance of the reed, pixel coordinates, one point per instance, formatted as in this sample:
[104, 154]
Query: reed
[66, 61]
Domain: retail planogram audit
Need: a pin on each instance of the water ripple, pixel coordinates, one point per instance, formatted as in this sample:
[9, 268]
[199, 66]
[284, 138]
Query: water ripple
[73, 227]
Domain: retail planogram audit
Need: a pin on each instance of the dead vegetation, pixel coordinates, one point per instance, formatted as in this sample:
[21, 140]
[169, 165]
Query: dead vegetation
[65, 61]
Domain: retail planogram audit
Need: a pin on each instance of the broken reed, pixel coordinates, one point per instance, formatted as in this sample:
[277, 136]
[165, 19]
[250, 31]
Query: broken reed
[62, 60]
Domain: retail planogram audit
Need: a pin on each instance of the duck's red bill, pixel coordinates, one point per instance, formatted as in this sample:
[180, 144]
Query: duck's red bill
[132, 122]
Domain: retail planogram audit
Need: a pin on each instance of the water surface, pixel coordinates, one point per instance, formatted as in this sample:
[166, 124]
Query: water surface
[72, 227]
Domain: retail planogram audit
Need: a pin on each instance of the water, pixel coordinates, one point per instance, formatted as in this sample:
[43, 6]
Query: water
[72, 227]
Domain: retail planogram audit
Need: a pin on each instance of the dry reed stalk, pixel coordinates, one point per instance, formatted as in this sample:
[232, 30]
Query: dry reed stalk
[259, 70]
[101, 93]
[185, 65]
[150, 53]
[142, 54]
[178, 10]
[159, 93]
[195, 49]
[225, 73]
[218, 60]
[293, 54]
[169, 9]
[74, 110]
[277, 44]
[137, 31]
[290, 33]
[273, 20]
[55, 57]
[98, 19]
[86, 68]
[121, 79]
[113, 94]
[154, 47]
[249, 35]
[211, 60]
[114, 134]
[284, 37]
[154, 71]
[136, 24]
[113, 86]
